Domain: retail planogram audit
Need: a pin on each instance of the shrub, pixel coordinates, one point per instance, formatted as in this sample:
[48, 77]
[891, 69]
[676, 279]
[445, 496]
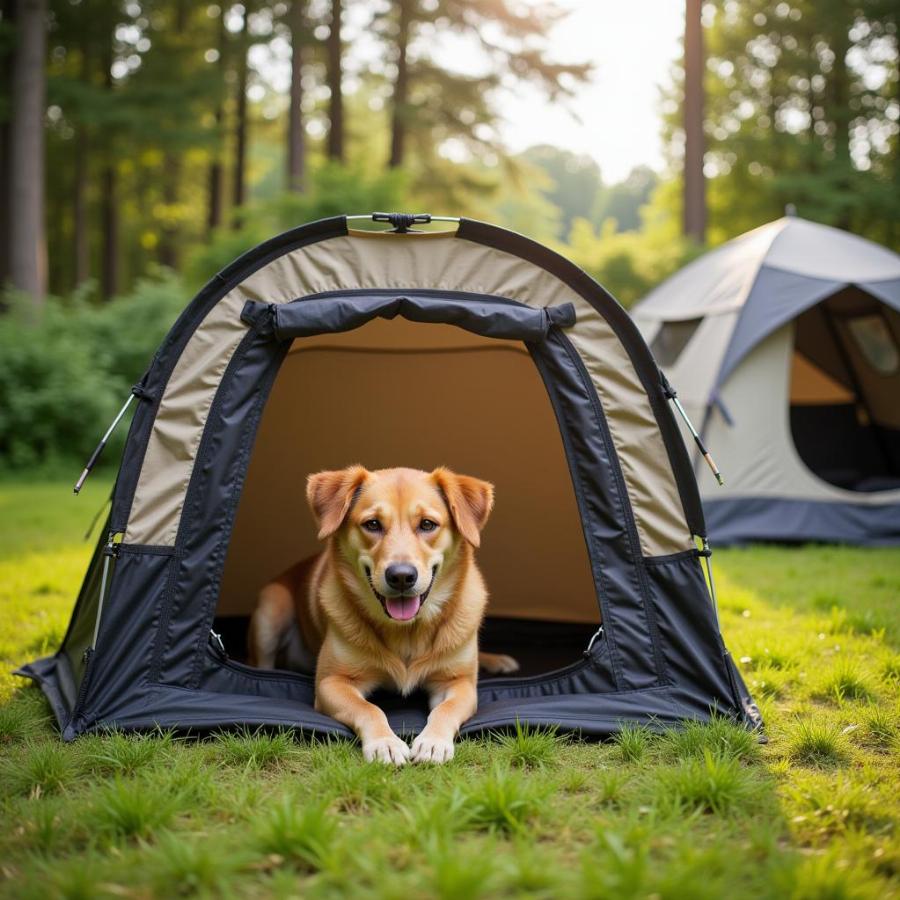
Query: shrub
[64, 375]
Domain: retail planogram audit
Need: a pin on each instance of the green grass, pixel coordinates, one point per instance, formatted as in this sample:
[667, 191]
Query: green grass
[705, 811]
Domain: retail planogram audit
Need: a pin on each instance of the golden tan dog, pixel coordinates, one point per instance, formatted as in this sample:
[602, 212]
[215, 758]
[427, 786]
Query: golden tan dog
[395, 600]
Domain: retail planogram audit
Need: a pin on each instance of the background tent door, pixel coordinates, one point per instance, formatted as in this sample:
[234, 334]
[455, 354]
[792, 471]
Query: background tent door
[845, 392]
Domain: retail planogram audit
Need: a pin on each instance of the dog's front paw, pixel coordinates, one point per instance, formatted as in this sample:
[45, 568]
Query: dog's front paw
[431, 749]
[389, 750]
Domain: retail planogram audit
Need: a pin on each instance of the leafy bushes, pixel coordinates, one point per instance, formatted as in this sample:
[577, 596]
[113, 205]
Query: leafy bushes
[65, 373]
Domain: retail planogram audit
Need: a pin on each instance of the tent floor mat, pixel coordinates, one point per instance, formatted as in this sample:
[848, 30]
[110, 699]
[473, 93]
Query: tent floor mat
[538, 646]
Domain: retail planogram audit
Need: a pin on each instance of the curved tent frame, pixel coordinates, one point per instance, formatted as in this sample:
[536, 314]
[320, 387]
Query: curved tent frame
[139, 651]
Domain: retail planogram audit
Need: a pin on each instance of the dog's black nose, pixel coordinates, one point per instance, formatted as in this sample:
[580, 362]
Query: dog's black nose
[401, 576]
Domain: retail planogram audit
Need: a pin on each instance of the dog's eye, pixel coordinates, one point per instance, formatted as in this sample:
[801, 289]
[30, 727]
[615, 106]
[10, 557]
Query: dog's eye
[427, 525]
[372, 525]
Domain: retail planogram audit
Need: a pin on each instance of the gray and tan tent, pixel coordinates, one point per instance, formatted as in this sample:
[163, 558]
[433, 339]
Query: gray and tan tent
[785, 344]
[471, 347]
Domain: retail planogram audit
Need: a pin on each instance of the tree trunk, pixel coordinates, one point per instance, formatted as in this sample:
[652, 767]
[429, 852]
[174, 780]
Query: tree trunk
[214, 210]
[240, 125]
[334, 54]
[171, 176]
[839, 114]
[109, 213]
[80, 239]
[400, 98]
[81, 246]
[6, 69]
[296, 149]
[27, 246]
[168, 244]
[694, 214]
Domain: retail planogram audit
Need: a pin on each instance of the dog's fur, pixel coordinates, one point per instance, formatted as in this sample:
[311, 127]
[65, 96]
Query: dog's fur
[339, 603]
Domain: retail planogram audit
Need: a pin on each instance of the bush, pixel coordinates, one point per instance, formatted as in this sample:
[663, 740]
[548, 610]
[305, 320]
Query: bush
[64, 375]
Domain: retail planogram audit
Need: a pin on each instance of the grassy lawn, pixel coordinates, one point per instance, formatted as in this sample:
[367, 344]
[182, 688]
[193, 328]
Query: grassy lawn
[706, 812]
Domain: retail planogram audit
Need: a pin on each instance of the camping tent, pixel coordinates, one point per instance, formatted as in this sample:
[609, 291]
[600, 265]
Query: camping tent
[785, 344]
[471, 347]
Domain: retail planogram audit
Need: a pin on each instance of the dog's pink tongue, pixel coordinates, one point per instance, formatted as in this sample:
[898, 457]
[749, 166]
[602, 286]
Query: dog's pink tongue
[402, 608]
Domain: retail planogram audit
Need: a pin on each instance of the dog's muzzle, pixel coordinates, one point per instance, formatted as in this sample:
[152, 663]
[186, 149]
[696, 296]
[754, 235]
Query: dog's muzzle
[402, 607]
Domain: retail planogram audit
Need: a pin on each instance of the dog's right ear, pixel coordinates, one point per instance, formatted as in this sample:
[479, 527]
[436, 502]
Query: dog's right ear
[330, 495]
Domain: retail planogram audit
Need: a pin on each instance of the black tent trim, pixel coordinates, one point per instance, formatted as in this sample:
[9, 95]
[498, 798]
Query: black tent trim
[661, 659]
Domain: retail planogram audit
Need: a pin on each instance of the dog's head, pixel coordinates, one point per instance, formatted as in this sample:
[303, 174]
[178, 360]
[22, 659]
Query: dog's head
[399, 532]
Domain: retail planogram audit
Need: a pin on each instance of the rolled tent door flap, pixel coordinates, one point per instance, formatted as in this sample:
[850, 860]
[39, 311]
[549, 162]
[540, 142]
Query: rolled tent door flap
[489, 317]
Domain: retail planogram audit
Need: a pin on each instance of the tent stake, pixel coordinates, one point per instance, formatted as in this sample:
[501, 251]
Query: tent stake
[99, 448]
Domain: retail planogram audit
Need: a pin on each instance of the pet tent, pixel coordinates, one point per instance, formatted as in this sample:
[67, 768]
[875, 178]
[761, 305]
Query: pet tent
[785, 344]
[470, 347]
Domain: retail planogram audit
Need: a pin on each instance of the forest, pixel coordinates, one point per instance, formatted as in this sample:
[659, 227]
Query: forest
[146, 143]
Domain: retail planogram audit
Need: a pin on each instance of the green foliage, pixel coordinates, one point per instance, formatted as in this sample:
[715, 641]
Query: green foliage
[801, 109]
[627, 264]
[256, 750]
[126, 808]
[302, 834]
[504, 800]
[333, 190]
[711, 782]
[64, 374]
[632, 742]
[818, 744]
[530, 748]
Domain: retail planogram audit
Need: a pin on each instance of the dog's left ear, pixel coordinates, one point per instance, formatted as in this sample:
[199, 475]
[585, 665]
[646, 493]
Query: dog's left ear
[330, 495]
[470, 500]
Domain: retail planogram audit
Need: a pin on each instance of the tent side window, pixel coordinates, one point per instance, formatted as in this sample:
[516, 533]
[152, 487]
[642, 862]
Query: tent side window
[871, 335]
[671, 339]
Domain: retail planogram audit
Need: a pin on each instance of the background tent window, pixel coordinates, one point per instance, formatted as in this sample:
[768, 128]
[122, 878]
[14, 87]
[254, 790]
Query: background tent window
[875, 342]
[671, 339]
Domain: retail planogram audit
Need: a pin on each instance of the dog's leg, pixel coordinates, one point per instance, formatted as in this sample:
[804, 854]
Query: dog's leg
[273, 616]
[452, 702]
[497, 663]
[340, 698]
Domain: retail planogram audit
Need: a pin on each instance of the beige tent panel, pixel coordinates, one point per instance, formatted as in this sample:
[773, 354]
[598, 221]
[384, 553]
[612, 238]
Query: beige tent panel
[402, 262]
[477, 405]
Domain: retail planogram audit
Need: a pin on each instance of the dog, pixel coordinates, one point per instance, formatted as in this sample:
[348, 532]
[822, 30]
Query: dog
[394, 600]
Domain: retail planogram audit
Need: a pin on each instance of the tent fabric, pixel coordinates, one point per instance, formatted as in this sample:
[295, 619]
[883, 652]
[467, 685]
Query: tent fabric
[886, 291]
[740, 520]
[777, 339]
[490, 318]
[775, 298]
[449, 263]
[141, 651]
[496, 422]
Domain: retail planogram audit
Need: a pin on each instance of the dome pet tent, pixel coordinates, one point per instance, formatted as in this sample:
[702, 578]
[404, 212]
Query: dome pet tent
[472, 347]
[785, 344]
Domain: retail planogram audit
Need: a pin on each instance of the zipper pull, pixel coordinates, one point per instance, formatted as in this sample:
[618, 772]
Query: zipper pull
[218, 644]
